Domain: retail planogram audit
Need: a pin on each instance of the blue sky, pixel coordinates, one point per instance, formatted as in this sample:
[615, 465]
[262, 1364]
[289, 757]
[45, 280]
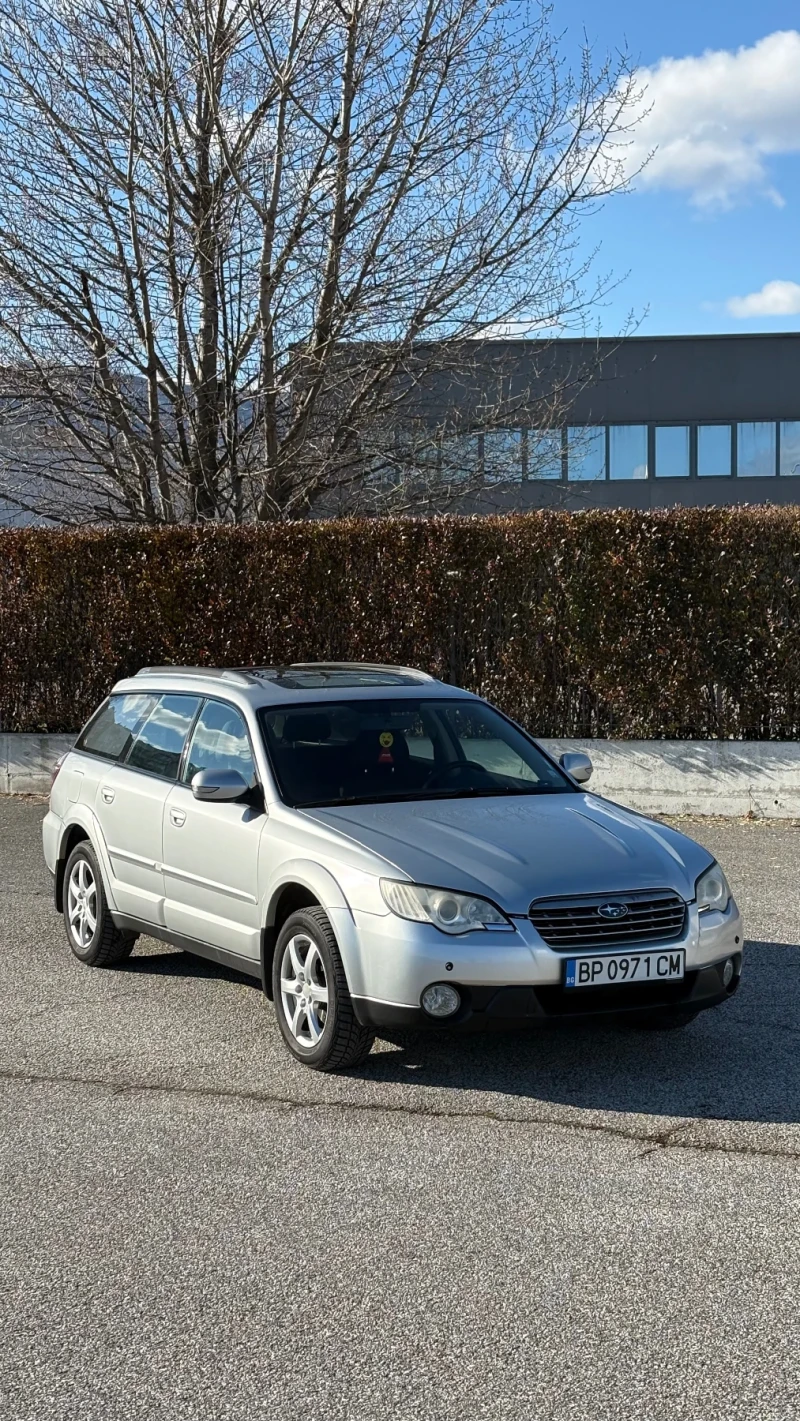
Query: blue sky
[715, 218]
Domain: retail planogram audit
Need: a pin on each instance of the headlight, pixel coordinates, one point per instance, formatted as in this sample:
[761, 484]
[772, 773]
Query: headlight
[451, 912]
[712, 889]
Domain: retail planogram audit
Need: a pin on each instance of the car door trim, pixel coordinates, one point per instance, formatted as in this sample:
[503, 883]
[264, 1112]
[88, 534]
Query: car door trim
[249, 966]
[210, 883]
[133, 858]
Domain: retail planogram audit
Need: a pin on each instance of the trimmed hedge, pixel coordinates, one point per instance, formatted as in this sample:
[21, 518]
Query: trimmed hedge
[680, 624]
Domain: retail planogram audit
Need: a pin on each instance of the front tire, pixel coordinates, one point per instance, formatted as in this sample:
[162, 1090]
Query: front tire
[91, 932]
[312, 1001]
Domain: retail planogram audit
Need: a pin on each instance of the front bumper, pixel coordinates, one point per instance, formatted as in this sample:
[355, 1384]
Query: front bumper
[512, 1008]
[508, 980]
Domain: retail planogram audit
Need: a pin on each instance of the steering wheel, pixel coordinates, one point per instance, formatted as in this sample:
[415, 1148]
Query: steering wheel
[457, 767]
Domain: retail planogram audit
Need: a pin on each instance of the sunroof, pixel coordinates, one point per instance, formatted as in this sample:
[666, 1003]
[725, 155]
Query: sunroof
[298, 679]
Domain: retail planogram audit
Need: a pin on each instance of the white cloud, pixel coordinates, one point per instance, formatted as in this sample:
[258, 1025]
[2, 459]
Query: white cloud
[716, 119]
[776, 298]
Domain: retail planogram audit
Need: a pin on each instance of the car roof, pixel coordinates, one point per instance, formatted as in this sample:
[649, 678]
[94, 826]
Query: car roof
[297, 682]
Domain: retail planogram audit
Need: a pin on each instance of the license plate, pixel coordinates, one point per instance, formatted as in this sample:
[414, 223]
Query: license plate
[614, 969]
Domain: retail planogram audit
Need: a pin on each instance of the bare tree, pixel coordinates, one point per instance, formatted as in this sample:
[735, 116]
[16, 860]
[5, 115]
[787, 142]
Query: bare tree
[243, 242]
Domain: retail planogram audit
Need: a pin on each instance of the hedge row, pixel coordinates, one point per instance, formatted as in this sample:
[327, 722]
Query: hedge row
[678, 624]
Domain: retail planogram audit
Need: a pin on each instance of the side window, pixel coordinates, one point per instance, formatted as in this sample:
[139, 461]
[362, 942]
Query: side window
[498, 757]
[159, 743]
[220, 742]
[110, 732]
[420, 743]
[486, 740]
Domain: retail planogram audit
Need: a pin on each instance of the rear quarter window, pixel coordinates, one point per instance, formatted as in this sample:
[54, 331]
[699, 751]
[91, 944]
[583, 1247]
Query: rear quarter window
[110, 732]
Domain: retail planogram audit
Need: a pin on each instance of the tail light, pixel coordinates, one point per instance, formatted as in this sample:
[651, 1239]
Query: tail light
[57, 766]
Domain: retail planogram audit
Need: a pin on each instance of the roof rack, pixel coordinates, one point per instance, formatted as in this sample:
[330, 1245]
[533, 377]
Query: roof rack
[358, 666]
[213, 673]
[251, 675]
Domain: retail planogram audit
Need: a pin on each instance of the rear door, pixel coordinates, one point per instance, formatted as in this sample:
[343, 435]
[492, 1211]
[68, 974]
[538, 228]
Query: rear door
[130, 804]
[211, 850]
[106, 741]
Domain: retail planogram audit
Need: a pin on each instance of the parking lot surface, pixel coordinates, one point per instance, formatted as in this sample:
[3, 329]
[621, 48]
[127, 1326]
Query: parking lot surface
[572, 1223]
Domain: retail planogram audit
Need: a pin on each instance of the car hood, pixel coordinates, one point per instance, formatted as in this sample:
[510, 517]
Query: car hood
[520, 848]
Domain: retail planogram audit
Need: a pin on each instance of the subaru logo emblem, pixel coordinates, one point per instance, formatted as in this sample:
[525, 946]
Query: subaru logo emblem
[613, 911]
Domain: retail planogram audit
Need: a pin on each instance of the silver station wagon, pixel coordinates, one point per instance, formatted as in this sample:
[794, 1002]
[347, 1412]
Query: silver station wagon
[383, 852]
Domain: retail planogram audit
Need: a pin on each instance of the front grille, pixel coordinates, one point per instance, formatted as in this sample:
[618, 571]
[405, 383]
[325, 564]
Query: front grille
[654, 916]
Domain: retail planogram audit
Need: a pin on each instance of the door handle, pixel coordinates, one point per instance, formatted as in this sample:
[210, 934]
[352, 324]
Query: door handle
[178, 817]
[108, 795]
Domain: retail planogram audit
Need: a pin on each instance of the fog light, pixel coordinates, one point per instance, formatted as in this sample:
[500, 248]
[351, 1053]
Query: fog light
[441, 999]
[727, 973]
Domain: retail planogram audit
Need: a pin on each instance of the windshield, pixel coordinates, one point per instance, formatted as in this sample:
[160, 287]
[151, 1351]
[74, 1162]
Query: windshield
[361, 752]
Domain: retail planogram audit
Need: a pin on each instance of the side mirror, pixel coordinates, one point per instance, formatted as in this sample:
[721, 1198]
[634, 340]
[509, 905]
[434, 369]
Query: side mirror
[578, 765]
[219, 785]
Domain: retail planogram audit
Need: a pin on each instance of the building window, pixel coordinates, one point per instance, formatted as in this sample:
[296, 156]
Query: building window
[502, 456]
[627, 451]
[417, 455]
[790, 447]
[713, 451]
[460, 459]
[755, 451]
[544, 454]
[586, 452]
[672, 451]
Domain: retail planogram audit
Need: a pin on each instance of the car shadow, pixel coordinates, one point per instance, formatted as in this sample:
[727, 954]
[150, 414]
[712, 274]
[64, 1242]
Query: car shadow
[174, 962]
[740, 1061]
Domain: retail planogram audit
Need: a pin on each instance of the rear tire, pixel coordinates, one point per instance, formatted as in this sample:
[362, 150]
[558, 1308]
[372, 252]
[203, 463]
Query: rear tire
[91, 932]
[312, 1000]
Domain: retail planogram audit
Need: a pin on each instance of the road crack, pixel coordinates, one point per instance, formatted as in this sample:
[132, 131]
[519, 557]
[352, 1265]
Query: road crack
[669, 1139]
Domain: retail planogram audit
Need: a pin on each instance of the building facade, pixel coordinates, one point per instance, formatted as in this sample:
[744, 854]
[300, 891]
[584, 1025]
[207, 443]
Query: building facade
[648, 422]
[508, 425]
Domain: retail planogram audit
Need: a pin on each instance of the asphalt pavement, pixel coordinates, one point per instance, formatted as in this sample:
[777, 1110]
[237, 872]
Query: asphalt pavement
[571, 1223]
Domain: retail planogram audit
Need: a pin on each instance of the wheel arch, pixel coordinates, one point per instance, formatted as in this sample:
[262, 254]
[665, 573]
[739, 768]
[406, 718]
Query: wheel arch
[302, 884]
[83, 827]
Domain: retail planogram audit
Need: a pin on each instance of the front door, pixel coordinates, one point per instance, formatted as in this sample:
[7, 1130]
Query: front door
[210, 854]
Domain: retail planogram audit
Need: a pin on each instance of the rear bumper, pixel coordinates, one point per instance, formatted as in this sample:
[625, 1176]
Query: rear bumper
[514, 1007]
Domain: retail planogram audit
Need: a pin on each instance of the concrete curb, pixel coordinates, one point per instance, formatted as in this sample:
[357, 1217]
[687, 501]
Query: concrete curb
[26, 761]
[724, 777]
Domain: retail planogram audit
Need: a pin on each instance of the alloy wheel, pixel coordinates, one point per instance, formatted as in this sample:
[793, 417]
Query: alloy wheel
[304, 989]
[82, 903]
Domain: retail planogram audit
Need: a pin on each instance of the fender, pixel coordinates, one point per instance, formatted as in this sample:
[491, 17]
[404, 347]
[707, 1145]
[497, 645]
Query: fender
[307, 874]
[320, 883]
[84, 816]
